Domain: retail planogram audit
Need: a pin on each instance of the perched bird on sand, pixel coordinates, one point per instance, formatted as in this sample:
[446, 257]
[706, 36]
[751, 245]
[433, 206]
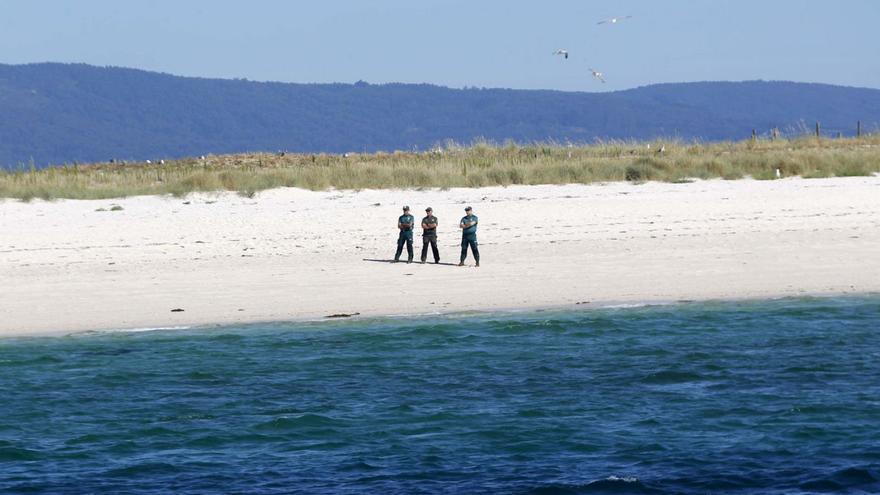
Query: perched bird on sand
[598, 75]
[614, 20]
[562, 52]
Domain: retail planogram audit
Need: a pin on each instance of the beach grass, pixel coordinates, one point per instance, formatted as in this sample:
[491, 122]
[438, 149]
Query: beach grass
[452, 165]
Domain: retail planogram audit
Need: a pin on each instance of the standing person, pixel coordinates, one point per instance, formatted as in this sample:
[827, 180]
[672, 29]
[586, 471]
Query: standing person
[405, 224]
[429, 235]
[468, 226]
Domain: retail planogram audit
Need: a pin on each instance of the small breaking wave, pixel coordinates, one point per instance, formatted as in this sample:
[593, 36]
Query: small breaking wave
[611, 484]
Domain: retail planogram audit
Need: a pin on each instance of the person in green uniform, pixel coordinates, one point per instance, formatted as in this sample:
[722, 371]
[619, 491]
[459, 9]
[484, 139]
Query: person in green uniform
[468, 226]
[429, 235]
[405, 225]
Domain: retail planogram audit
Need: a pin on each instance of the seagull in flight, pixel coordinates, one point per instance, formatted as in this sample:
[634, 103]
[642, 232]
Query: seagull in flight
[614, 20]
[598, 75]
[562, 52]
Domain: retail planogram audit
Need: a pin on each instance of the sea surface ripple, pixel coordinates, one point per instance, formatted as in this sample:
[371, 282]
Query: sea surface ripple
[762, 397]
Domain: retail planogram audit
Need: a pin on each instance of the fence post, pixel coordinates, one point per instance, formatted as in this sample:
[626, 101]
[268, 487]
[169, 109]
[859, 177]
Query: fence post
[754, 135]
[817, 129]
[859, 129]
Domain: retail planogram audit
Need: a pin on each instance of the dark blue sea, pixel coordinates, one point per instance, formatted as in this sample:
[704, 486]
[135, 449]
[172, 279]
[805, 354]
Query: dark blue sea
[763, 397]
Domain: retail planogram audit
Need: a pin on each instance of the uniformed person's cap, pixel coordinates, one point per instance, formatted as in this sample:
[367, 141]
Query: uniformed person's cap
[468, 208]
[429, 209]
[406, 208]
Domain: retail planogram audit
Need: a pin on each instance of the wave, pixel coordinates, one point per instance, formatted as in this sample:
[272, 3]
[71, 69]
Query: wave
[631, 305]
[867, 479]
[45, 359]
[148, 329]
[147, 468]
[669, 377]
[611, 484]
[299, 422]
[129, 330]
[13, 454]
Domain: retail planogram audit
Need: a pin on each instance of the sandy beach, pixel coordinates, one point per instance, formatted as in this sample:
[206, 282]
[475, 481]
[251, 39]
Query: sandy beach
[70, 266]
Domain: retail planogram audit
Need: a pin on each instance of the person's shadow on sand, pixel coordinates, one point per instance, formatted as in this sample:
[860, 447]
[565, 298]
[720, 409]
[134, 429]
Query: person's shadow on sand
[414, 262]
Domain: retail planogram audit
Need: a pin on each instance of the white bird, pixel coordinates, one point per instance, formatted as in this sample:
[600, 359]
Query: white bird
[598, 75]
[614, 20]
[562, 52]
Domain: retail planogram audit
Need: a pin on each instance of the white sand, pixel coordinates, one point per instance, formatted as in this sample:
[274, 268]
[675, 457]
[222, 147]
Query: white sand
[292, 254]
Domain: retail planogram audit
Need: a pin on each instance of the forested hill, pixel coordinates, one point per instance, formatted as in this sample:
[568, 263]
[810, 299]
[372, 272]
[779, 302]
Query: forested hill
[61, 113]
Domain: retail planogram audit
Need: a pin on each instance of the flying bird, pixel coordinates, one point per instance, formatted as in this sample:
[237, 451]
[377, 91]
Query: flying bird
[598, 75]
[562, 52]
[614, 20]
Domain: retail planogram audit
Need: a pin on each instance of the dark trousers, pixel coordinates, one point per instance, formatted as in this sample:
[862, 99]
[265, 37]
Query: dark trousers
[401, 240]
[432, 241]
[472, 242]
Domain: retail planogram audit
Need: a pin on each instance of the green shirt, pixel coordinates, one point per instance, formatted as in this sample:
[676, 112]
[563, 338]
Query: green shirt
[472, 230]
[406, 219]
[430, 219]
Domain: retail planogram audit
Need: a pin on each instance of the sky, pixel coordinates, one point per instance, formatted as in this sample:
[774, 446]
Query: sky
[482, 43]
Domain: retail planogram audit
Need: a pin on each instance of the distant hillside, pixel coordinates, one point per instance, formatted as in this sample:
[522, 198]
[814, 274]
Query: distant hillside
[59, 113]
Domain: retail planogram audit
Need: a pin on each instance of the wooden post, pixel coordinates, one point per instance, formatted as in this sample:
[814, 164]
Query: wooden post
[859, 129]
[754, 135]
[817, 130]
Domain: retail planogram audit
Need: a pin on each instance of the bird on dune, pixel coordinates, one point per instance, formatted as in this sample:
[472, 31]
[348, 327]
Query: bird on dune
[598, 75]
[614, 20]
[562, 52]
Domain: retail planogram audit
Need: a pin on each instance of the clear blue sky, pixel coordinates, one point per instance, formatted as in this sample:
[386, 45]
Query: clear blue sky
[491, 43]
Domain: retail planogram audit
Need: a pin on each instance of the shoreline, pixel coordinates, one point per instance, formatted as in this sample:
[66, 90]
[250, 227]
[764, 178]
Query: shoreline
[293, 255]
[422, 317]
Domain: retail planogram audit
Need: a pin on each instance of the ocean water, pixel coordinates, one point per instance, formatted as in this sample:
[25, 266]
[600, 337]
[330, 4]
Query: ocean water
[736, 397]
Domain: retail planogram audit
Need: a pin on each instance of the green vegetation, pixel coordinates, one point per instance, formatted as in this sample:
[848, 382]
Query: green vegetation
[481, 164]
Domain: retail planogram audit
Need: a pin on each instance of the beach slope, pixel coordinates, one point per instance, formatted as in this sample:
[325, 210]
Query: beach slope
[284, 254]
